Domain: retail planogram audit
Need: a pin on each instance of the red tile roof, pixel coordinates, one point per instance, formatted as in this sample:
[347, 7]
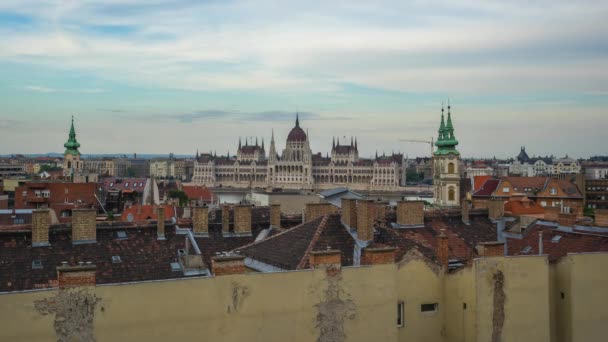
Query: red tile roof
[478, 181]
[198, 193]
[566, 243]
[519, 207]
[488, 188]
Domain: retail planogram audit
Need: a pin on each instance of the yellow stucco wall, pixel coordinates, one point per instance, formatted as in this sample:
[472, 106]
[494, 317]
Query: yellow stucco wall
[361, 300]
[525, 304]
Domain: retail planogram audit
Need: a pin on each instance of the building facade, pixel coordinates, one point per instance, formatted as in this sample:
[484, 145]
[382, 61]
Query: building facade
[296, 167]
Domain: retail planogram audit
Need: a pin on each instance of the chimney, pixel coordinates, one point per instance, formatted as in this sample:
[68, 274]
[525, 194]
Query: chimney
[331, 258]
[200, 221]
[601, 217]
[275, 215]
[160, 222]
[540, 243]
[84, 226]
[566, 219]
[242, 220]
[380, 210]
[552, 213]
[76, 276]
[443, 250]
[410, 213]
[349, 212]
[225, 219]
[228, 264]
[466, 207]
[365, 220]
[496, 209]
[377, 256]
[314, 210]
[490, 249]
[40, 227]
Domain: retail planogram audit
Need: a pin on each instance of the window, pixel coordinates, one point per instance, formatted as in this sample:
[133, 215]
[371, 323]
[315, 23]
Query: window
[451, 194]
[400, 314]
[543, 203]
[553, 191]
[505, 189]
[37, 264]
[116, 259]
[428, 308]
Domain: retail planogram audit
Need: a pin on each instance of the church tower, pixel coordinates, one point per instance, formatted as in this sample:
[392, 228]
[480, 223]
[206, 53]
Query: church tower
[71, 157]
[446, 176]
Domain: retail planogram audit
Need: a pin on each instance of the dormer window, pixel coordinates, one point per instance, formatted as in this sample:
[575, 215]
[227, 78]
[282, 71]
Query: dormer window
[505, 189]
[553, 191]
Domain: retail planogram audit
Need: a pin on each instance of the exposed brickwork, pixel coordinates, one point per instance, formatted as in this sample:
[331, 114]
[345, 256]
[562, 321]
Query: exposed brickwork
[365, 220]
[76, 276]
[552, 213]
[84, 225]
[225, 218]
[380, 210]
[160, 222]
[377, 256]
[314, 210]
[200, 220]
[496, 209]
[410, 212]
[601, 217]
[490, 249]
[566, 219]
[242, 219]
[224, 265]
[275, 215]
[330, 258]
[349, 212]
[41, 220]
[443, 249]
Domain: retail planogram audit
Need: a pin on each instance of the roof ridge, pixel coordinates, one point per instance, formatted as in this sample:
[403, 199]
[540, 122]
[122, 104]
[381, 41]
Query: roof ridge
[274, 236]
[314, 240]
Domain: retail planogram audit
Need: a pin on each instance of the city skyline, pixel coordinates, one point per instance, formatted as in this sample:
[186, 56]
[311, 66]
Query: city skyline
[160, 78]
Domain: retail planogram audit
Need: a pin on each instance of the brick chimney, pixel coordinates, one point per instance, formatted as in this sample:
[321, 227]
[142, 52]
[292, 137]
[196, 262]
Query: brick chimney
[443, 249]
[496, 209]
[552, 213]
[410, 213]
[566, 219]
[160, 222]
[275, 215]
[200, 220]
[225, 219]
[76, 276]
[601, 217]
[490, 249]
[330, 258]
[380, 210]
[378, 255]
[314, 210]
[466, 208]
[242, 220]
[349, 212]
[84, 226]
[40, 227]
[228, 264]
[365, 220]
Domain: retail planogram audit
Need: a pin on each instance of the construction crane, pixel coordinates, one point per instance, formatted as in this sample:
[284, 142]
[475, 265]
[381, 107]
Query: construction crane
[431, 142]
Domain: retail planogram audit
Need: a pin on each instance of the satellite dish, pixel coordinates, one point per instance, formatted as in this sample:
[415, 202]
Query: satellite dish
[130, 217]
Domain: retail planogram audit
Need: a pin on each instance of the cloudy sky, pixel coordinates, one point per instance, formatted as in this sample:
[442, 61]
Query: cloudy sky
[152, 76]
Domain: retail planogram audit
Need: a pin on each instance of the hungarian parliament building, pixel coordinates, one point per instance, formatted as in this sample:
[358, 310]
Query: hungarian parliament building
[298, 168]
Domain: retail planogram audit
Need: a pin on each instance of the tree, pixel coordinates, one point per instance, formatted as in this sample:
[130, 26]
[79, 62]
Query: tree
[180, 195]
[49, 167]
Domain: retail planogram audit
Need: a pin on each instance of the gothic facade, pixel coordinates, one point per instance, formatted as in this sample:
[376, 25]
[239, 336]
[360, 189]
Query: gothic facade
[296, 167]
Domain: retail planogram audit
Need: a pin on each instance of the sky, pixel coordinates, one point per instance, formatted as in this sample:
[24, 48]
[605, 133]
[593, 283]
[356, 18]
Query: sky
[148, 76]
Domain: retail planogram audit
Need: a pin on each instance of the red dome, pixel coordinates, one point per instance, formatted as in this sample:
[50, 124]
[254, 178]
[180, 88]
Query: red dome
[296, 134]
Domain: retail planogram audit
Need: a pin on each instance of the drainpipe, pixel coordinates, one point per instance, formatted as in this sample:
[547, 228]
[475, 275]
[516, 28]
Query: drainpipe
[540, 243]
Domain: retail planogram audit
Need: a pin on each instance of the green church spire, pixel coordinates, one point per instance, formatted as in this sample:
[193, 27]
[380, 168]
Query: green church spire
[447, 142]
[72, 145]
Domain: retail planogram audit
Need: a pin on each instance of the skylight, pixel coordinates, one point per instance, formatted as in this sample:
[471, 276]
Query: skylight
[556, 238]
[116, 259]
[36, 264]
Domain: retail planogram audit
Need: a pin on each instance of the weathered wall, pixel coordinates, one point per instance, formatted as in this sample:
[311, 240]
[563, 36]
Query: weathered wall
[512, 299]
[418, 284]
[460, 314]
[357, 304]
[583, 311]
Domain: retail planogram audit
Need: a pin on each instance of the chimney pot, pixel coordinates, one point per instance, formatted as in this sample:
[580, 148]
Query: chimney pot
[242, 220]
[365, 220]
[225, 264]
[410, 213]
[40, 227]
